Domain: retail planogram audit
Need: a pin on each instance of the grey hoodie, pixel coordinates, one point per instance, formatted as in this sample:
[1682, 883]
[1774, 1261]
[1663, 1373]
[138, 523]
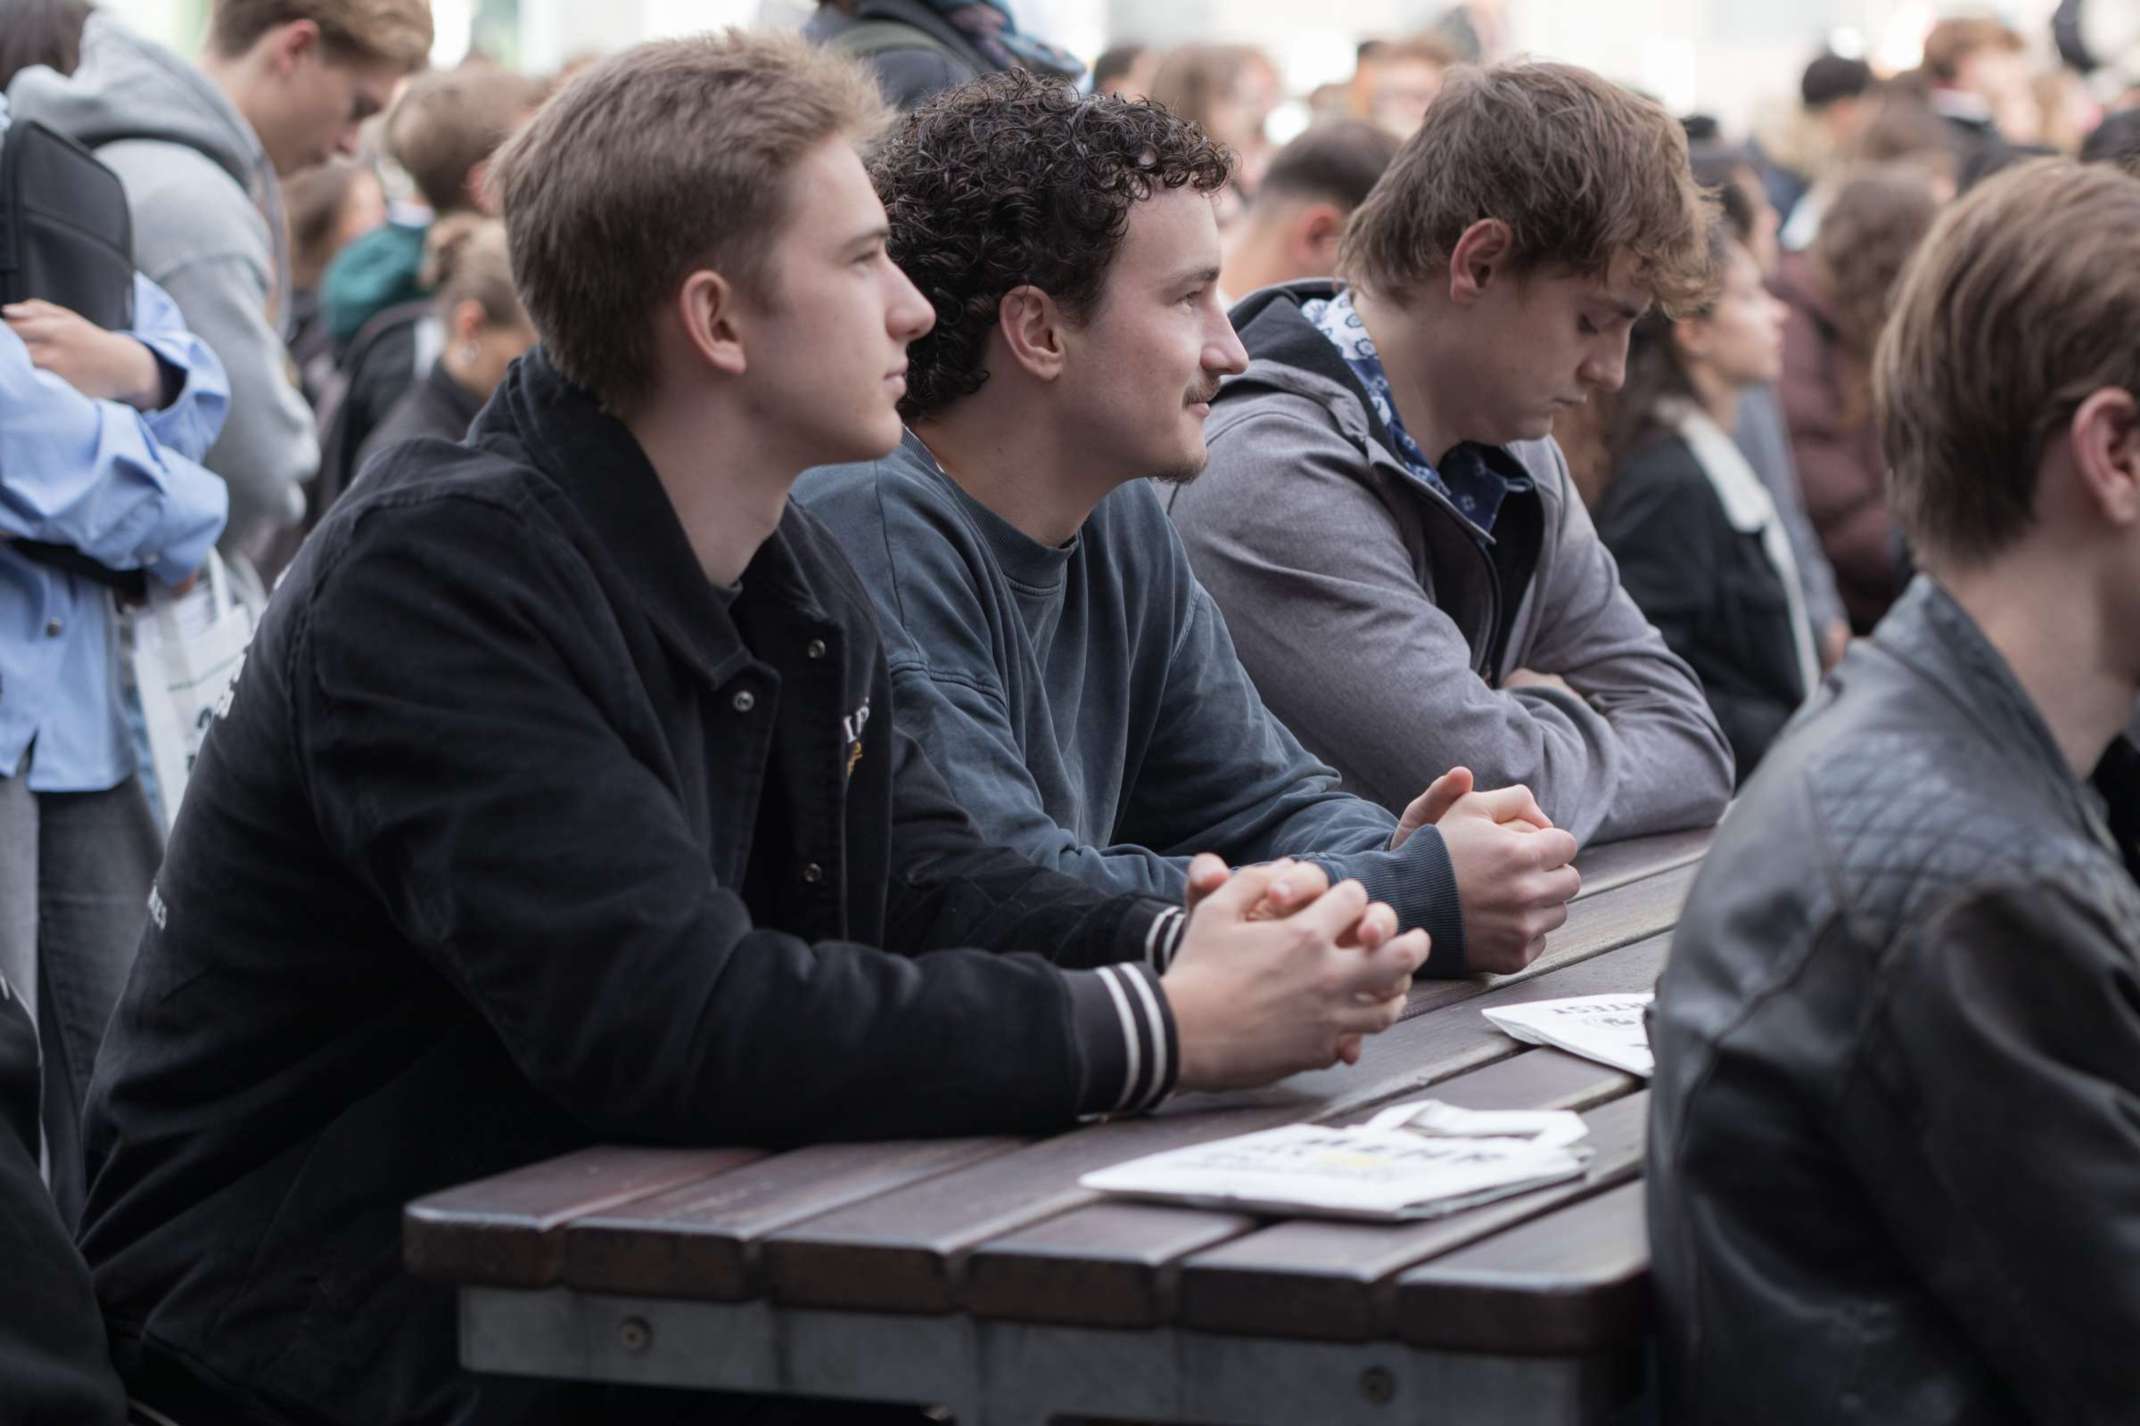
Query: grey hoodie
[1380, 625]
[208, 229]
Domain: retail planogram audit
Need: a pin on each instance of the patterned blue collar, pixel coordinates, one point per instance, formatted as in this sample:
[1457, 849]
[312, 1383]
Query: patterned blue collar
[1471, 485]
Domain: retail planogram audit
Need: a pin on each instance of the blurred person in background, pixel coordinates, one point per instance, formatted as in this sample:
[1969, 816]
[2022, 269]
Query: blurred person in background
[2115, 140]
[1760, 432]
[100, 434]
[917, 48]
[1476, 31]
[1394, 81]
[441, 132]
[1292, 229]
[1699, 542]
[2065, 112]
[280, 86]
[1228, 91]
[328, 208]
[1977, 70]
[469, 269]
[1126, 70]
[1834, 105]
[1903, 130]
[1838, 295]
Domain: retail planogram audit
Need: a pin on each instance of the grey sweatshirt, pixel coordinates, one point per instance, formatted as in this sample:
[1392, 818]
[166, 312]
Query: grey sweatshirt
[208, 229]
[1379, 623]
[1085, 702]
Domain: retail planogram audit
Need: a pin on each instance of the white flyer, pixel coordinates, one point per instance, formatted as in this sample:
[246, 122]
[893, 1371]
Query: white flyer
[1605, 1028]
[1417, 1160]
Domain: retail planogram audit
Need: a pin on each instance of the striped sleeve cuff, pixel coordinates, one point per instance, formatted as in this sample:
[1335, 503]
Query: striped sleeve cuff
[1126, 1038]
[1163, 938]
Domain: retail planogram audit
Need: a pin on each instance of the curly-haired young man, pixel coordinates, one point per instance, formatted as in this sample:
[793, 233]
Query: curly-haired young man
[1408, 569]
[560, 800]
[1048, 641]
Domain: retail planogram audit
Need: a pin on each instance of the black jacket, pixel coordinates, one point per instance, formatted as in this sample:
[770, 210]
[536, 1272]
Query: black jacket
[1894, 1150]
[437, 406]
[515, 837]
[1709, 588]
[54, 1370]
[914, 52]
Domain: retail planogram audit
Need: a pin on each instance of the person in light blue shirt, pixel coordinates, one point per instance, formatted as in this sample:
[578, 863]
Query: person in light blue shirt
[100, 434]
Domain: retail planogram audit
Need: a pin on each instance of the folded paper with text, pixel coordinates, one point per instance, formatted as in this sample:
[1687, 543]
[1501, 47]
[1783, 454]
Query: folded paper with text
[1418, 1160]
[1605, 1028]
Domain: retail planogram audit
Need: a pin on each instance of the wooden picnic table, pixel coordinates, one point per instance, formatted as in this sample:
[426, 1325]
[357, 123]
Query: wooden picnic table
[976, 1274]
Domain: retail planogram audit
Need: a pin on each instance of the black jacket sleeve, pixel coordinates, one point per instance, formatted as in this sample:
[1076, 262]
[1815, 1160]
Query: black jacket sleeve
[1994, 1117]
[464, 759]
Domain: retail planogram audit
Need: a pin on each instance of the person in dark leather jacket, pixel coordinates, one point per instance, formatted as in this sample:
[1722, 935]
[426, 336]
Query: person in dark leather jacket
[1894, 1151]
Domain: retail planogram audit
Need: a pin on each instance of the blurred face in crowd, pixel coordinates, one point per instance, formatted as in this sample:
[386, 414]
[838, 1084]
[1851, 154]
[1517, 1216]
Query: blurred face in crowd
[825, 318]
[1140, 372]
[305, 102]
[1394, 94]
[1739, 342]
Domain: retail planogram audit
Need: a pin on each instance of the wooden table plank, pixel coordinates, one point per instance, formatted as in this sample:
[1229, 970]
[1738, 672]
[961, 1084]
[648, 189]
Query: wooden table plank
[1628, 913]
[1334, 1281]
[904, 1251]
[1615, 864]
[701, 1240]
[503, 1231]
[1571, 1282]
[1114, 1264]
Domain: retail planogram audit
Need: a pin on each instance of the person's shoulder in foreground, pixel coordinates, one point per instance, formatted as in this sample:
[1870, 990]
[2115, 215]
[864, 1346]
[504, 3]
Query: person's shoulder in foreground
[584, 707]
[1894, 1144]
[1384, 491]
[1053, 650]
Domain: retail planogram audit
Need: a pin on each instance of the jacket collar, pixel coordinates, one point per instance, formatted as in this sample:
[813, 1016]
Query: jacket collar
[603, 473]
[1934, 635]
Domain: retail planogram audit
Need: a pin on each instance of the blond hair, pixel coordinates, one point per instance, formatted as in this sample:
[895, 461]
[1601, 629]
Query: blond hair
[395, 32]
[657, 161]
[1579, 169]
[2023, 300]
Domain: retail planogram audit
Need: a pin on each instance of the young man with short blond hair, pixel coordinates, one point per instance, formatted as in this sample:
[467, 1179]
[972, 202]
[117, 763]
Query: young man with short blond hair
[1393, 535]
[563, 799]
[281, 85]
[1894, 1145]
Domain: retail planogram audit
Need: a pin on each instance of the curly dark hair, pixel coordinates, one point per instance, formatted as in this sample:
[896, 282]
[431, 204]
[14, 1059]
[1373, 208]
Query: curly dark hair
[1017, 180]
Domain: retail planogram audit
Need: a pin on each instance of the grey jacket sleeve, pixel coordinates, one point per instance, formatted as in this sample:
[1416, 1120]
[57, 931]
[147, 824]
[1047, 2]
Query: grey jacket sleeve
[1326, 605]
[269, 446]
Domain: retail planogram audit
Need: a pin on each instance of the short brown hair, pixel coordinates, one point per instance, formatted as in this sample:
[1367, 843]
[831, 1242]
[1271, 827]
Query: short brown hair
[448, 121]
[2023, 301]
[665, 158]
[396, 32]
[1951, 42]
[1580, 169]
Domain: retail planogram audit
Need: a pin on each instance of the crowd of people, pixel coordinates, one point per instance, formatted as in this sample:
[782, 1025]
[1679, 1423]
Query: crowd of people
[869, 583]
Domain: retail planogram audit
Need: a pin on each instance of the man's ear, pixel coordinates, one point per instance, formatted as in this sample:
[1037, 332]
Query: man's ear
[289, 44]
[477, 190]
[1316, 230]
[1032, 328]
[2105, 439]
[707, 310]
[1480, 257]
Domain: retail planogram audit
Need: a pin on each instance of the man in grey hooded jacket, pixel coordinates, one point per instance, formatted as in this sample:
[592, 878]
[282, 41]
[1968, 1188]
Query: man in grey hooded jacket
[281, 86]
[1384, 493]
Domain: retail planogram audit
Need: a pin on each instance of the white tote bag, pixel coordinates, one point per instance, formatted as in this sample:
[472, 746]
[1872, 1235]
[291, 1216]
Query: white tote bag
[187, 653]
